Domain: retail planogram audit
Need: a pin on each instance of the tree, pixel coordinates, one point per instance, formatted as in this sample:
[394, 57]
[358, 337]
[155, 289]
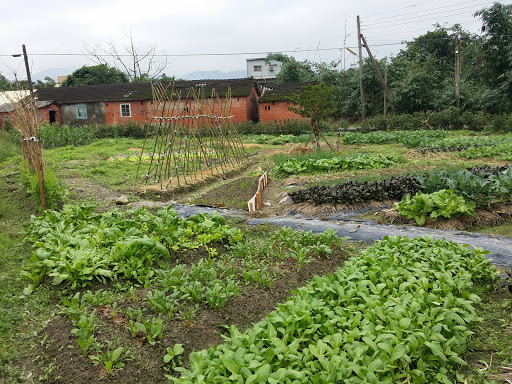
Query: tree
[140, 63]
[4, 83]
[292, 71]
[497, 39]
[48, 82]
[94, 75]
[316, 102]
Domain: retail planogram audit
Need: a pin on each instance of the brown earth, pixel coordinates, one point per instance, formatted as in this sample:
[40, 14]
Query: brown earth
[61, 360]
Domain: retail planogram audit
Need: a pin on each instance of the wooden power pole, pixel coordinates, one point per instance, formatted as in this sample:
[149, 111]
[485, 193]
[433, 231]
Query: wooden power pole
[457, 70]
[377, 69]
[363, 108]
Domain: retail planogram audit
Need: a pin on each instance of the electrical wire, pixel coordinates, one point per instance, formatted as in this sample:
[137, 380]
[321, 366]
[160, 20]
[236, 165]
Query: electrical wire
[429, 9]
[398, 9]
[414, 30]
[416, 21]
[439, 14]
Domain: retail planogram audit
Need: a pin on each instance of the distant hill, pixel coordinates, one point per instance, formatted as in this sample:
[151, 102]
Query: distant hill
[53, 73]
[197, 75]
[217, 75]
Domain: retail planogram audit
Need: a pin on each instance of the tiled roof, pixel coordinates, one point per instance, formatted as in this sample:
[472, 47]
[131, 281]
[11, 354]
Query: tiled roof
[272, 91]
[9, 107]
[141, 91]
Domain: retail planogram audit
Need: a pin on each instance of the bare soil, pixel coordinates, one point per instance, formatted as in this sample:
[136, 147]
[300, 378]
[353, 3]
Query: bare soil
[61, 360]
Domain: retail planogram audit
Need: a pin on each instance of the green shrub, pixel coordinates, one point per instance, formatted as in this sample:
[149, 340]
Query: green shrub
[448, 119]
[55, 193]
[54, 135]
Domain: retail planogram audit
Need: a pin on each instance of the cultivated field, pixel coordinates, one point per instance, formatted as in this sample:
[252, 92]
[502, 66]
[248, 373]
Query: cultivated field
[94, 292]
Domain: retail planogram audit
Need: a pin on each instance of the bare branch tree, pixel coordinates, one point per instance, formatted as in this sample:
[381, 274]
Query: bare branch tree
[138, 62]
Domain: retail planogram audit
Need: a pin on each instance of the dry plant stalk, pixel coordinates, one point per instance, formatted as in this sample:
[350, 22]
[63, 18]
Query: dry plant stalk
[24, 118]
[194, 136]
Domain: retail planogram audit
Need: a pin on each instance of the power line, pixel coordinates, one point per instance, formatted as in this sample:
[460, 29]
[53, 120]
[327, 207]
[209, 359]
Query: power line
[416, 21]
[398, 9]
[430, 9]
[476, 6]
[414, 30]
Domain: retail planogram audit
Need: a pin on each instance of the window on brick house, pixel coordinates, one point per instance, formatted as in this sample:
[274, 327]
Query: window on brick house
[6, 117]
[257, 68]
[126, 110]
[81, 111]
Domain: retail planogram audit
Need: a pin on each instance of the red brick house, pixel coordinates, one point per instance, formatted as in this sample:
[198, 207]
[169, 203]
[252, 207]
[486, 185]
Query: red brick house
[118, 103]
[273, 103]
[264, 101]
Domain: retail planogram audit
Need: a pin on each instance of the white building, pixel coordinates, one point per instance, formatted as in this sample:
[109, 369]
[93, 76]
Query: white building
[259, 69]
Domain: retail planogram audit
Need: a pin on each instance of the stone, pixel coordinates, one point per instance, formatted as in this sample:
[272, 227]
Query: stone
[122, 200]
[286, 200]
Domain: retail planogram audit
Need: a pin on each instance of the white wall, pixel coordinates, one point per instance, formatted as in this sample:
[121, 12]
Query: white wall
[266, 69]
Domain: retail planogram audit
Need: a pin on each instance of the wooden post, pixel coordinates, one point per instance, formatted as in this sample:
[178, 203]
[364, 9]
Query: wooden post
[457, 70]
[377, 69]
[386, 82]
[35, 135]
[363, 108]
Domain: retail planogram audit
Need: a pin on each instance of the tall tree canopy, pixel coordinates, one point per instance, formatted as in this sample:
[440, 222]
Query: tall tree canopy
[95, 75]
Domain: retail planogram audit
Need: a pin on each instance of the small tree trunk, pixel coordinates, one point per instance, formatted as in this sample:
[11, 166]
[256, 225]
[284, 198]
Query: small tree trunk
[316, 132]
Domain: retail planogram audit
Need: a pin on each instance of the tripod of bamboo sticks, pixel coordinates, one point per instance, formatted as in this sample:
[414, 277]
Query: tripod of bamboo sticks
[192, 137]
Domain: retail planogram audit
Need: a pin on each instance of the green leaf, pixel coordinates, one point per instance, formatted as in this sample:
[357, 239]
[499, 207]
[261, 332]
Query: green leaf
[230, 365]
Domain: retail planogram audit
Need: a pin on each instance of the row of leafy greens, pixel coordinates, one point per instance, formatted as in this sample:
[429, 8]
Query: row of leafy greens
[76, 245]
[480, 185]
[402, 312]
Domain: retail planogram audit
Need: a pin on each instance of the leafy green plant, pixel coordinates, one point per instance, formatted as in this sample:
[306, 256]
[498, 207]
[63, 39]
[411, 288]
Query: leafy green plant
[160, 302]
[174, 355]
[340, 163]
[152, 329]
[109, 358]
[402, 310]
[443, 203]
[84, 331]
[77, 246]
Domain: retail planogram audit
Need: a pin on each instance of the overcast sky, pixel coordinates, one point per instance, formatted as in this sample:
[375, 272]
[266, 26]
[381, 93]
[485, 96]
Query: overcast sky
[218, 27]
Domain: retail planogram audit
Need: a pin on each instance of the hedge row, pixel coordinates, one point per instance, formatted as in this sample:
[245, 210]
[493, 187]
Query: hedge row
[449, 119]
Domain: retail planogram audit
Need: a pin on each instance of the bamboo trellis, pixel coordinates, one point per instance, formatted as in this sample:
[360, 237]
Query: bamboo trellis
[193, 137]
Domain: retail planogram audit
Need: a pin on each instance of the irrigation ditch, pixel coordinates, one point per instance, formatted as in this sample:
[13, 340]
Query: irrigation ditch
[499, 247]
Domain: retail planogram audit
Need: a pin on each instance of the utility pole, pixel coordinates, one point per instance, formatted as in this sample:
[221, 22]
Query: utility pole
[363, 108]
[385, 98]
[377, 69]
[34, 134]
[457, 70]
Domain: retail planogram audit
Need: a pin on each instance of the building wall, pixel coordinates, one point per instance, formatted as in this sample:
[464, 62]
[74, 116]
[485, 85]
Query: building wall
[3, 118]
[141, 111]
[277, 111]
[268, 71]
[43, 114]
[95, 114]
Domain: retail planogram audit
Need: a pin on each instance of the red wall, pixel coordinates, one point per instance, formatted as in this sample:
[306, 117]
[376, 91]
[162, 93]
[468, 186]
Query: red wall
[277, 111]
[141, 111]
[43, 115]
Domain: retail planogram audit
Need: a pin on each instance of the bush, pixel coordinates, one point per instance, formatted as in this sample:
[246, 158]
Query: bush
[449, 119]
[293, 127]
[53, 135]
[55, 193]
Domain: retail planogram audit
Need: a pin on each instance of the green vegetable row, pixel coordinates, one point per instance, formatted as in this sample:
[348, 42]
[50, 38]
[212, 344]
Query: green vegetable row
[401, 312]
[76, 245]
[350, 162]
